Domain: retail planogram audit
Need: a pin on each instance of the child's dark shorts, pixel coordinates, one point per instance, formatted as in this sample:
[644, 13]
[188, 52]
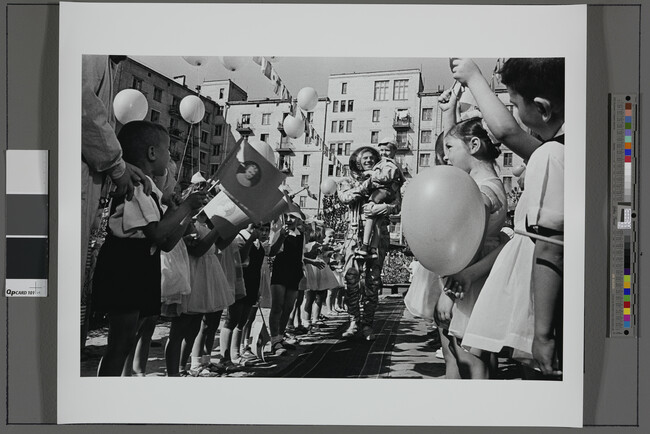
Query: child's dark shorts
[127, 277]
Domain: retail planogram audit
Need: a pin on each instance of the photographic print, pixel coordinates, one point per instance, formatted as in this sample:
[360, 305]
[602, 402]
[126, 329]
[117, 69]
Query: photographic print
[269, 216]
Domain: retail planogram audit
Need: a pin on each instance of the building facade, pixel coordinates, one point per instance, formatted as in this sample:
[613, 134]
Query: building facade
[200, 143]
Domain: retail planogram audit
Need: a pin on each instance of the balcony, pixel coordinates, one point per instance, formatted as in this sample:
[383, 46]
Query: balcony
[402, 122]
[215, 159]
[286, 166]
[176, 133]
[244, 128]
[404, 145]
[284, 145]
[174, 110]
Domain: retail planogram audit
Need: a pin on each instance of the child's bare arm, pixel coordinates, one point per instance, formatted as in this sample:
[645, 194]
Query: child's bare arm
[447, 102]
[499, 120]
[167, 232]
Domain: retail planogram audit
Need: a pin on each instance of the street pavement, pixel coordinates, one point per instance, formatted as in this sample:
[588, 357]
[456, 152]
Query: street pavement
[405, 347]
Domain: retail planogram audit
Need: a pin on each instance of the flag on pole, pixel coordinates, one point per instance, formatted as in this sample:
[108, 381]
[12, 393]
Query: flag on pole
[252, 183]
[225, 215]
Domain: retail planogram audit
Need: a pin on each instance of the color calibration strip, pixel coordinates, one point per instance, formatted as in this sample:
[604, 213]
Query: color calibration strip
[622, 319]
[27, 223]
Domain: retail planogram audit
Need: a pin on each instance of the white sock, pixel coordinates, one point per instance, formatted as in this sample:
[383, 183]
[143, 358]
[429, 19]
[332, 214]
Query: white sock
[196, 362]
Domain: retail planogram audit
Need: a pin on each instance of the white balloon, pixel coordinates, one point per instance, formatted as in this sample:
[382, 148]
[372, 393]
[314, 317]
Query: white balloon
[262, 147]
[130, 105]
[232, 63]
[293, 127]
[196, 60]
[192, 109]
[307, 98]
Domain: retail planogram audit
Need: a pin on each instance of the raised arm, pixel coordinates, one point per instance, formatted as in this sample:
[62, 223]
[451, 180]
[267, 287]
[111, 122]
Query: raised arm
[500, 121]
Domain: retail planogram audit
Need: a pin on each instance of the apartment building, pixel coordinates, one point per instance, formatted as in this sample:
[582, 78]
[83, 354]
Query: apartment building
[300, 159]
[201, 142]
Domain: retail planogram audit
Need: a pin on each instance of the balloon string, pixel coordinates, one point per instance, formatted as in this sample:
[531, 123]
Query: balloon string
[178, 175]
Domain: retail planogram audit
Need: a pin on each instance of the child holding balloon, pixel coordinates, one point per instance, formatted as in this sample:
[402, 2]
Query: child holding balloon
[127, 278]
[536, 89]
[468, 147]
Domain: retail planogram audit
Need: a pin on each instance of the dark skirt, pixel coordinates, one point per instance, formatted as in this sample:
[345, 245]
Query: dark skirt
[127, 277]
[287, 266]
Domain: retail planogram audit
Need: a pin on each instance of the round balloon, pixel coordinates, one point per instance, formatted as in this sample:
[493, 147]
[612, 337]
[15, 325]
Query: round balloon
[307, 98]
[262, 147]
[443, 217]
[130, 105]
[232, 63]
[328, 186]
[192, 109]
[293, 127]
[195, 60]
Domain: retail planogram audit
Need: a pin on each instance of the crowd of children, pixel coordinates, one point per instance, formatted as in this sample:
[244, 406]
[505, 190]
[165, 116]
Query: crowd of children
[162, 257]
[508, 301]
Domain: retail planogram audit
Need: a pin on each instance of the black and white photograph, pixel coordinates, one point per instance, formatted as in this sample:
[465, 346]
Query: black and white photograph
[259, 218]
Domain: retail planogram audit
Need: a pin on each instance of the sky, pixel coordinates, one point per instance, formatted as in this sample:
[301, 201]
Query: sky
[299, 72]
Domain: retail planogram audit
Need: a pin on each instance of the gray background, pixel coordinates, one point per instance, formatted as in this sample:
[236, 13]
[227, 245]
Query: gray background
[617, 58]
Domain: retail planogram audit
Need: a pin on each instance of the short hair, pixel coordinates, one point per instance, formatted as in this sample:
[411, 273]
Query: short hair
[391, 145]
[473, 127]
[136, 137]
[535, 77]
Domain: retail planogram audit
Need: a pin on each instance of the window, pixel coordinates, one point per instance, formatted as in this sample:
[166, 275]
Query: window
[341, 126]
[427, 114]
[206, 117]
[218, 130]
[334, 123]
[204, 157]
[330, 170]
[347, 148]
[137, 83]
[344, 88]
[155, 116]
[221, 93]
[350, 105]
[425, 136]
[346, 170]
[304, 181]
[219, 111]
[375, 115]
[339, 149]
[507, 159]
[176, 101]
[348, 126]
[157, 94]
[303, 201]
[400, 89]
[266, 118]
[305, 160]
[338, 170]
[264, 137]
[213, 169]
[246, 119]
[399, 159]
[173, 124]
[424, 159]
[204, 136]
[381, 90]
[216, 149]
[343, 106]
[374, 137]
[332, 149]
[335, 107]
[310, 117]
